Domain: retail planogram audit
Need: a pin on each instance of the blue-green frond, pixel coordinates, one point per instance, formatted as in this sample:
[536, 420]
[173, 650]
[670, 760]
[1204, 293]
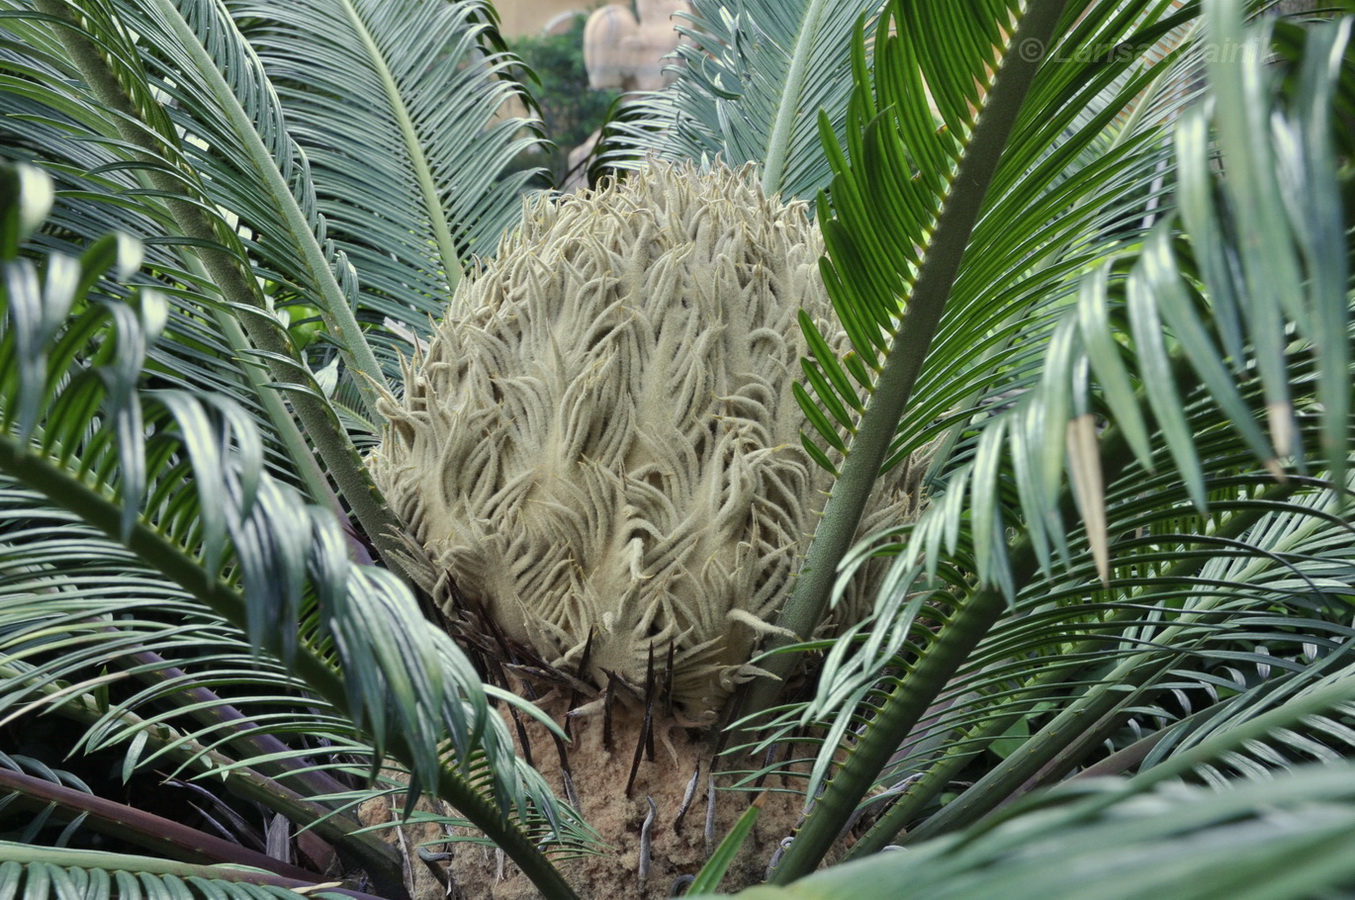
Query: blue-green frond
[1144, 330]
[754, 77]
[177, 483]
[102, 186]
[1120, 840]
[397, 107]
[1103, 450]
[69, 874]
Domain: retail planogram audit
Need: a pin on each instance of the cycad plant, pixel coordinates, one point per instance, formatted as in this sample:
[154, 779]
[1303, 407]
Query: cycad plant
[1083, 311]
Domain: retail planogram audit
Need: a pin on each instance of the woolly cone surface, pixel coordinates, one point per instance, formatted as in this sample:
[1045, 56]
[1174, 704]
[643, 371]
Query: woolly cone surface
[601, 438]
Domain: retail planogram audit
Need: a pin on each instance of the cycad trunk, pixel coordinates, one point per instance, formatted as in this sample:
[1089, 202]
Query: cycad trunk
[659, 832]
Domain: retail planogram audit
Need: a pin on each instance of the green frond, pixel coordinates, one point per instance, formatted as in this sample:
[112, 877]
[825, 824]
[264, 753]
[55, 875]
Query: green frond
[66, 874]
[911, 244]
[41, 814]
[1011, 281]
[395, 105]
[154, 175]
[1287, 838]
[261, 178]
[179, 483]
[1100, 345]
[754, 77]
[1188, 616]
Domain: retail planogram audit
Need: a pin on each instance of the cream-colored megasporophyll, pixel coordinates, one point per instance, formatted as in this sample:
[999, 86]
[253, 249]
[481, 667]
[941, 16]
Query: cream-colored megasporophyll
[602, 437]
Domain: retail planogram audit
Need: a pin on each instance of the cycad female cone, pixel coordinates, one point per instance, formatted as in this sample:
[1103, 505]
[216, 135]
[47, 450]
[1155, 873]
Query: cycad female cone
[601, 447]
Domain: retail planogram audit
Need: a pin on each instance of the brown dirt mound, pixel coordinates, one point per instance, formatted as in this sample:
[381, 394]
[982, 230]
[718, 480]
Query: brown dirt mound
[683, 830]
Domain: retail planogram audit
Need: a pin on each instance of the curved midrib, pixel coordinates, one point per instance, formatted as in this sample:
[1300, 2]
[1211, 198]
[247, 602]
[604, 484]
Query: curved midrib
[962, 201]
[67, 491]
[423, 172]
[773, 172]
[339, 317]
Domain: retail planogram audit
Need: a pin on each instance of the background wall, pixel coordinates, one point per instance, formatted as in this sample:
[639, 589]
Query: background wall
[528, 17]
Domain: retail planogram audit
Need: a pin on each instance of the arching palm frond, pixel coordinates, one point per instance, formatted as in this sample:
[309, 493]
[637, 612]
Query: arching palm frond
[190, 132]
[102, 189]
[83, 873]
[987, 288]
[190, 91]
[1205, 458]
[1225, 617]
[220, 561]
[756, 75]
[89, 82]
[41, 814]
[394, 105]
[1284, 838]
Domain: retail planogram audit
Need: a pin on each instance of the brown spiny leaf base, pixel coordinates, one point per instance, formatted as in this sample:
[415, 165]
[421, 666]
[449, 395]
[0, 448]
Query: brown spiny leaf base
[599, 779]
